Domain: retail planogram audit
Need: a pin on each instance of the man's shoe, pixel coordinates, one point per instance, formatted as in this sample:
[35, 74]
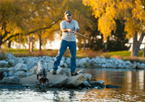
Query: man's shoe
[54, 71]
[74, 74]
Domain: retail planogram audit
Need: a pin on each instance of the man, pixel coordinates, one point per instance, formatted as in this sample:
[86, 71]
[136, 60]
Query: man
[69, 28]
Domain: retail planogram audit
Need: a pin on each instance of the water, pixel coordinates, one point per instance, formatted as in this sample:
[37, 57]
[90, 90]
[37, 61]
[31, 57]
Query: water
[131, 82]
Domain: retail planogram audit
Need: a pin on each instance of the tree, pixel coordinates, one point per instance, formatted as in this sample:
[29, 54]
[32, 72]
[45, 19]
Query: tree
[117, 41]
[22, 18]
[130, 11]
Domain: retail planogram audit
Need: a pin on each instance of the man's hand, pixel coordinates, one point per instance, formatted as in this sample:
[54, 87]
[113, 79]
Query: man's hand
[77, 30]
[69, 30]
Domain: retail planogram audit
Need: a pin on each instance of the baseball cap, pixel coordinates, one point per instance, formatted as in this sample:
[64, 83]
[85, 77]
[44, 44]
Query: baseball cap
[68, 12]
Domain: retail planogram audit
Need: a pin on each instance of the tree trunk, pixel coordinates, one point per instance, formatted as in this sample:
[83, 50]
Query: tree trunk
[40, 43]
[136, 45]
[144, 52]
[0, 41]
[31, 46]
[9, 44]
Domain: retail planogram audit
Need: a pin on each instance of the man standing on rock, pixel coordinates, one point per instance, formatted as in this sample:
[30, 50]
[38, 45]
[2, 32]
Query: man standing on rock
[69, 27]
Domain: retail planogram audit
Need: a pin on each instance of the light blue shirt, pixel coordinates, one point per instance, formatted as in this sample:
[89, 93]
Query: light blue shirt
[66, 25]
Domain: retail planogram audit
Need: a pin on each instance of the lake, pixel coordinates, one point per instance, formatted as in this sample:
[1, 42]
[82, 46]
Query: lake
[131, 82]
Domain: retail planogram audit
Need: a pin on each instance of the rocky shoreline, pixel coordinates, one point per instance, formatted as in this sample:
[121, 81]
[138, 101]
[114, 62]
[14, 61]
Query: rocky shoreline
[22, 70]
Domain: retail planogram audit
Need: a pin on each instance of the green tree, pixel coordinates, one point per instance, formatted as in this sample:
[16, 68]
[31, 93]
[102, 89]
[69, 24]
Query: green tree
[117, 41]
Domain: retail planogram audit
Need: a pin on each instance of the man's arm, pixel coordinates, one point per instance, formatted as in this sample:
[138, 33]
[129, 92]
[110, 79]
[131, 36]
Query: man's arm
[67, 30]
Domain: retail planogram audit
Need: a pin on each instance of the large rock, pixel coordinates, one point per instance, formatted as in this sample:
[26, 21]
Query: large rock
[99, 83]
[33, 70]
[19, 60]
[139, 67]
[84, 84]
[3, 63]
[3, 70]
[20, 74]
[67, 61]
[132, 66]
[5, 74]
[10, 73]
[81, 63]
[88, 76]
[12, 69]
[9, 56]
[11, 59]
[31, 64]
[75, 81]
[54, 80]
[12, 62]
[62, 71]
[82, 71]
[50, 65]
[2, 75]
[12, 79]
[21, 67]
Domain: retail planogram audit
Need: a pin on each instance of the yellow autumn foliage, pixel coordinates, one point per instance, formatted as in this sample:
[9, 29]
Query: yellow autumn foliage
[132, 11]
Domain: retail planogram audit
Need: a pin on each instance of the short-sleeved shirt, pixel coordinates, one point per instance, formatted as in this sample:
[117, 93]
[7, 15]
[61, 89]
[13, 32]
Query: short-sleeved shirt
[73, 25]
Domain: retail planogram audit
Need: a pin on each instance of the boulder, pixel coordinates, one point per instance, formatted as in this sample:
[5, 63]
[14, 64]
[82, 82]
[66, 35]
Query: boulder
[50, 64]
[2, 75]
[20, 74]
[11, 59]
[139, 67]
[21, 67]
[81, 63]
[12, 62]
[3, 70]
[10, 73]
[99, 83]
[132, 66]
[3, 63]
[31, 64]
[9, 56]
[64, 65]
[82, 71]
[19, 60]
[5, 74]
[54, 80]
[75, 81]
[28, 74]
[67, 61]
[62, 71]
[84, 84]
[33, 70]
[67, 72]
[12, 79]
[12, 69]
[88, 76]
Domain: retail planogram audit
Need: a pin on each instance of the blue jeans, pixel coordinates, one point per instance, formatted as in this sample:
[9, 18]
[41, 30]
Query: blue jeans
[63, 47]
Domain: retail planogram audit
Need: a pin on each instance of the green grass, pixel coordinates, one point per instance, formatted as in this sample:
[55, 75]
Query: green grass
[125, 55]
[120, 53]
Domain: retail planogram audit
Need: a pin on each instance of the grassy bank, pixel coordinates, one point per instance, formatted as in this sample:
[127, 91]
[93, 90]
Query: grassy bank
[125, 55]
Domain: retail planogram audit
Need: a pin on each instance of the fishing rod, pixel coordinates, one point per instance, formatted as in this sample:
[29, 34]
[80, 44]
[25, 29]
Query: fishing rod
[81, 34]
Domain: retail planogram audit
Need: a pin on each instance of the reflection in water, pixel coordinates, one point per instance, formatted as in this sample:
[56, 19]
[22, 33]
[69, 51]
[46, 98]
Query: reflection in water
[130, 81]
[141, 79]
